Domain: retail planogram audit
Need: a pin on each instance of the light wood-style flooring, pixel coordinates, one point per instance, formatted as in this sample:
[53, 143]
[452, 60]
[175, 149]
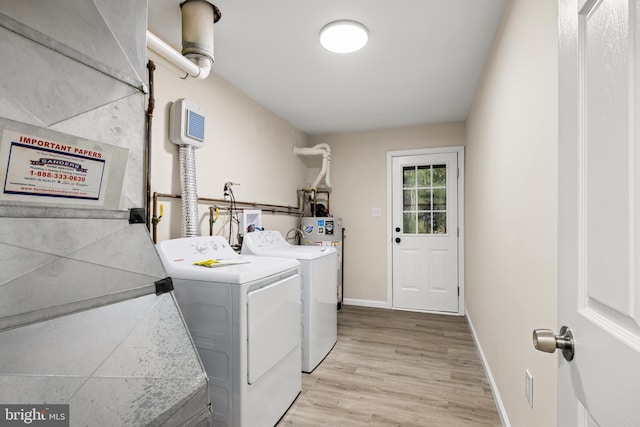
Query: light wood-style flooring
[396, 368]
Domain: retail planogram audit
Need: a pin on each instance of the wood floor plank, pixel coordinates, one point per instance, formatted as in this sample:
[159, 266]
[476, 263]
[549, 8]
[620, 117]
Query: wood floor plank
[394, 368]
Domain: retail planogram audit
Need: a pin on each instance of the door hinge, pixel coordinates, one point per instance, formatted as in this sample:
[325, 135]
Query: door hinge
[458, 176]
[458, 290]
[458, 231]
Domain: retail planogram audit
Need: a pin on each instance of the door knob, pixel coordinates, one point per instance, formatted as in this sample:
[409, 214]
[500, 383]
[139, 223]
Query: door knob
[397, 229]
[397, 240]
[545, 340]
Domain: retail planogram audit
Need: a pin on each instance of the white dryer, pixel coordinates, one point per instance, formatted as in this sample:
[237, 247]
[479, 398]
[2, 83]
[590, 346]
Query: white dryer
[243, 313]
[319, 293]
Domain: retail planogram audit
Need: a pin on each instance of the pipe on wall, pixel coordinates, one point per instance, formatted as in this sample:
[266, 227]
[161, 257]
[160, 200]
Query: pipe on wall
[199, 69]
[224, 203]
[196, 59]
[147, 147]
[323, 150]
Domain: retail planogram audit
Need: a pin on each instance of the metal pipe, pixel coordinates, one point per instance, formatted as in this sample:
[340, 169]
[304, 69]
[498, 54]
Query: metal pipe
[198, 17]
[154, 219]
[212, 218]
[196, 59]
[147, 148]
[274, 209]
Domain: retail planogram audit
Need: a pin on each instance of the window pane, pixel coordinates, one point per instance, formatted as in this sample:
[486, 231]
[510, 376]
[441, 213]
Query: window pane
[409, 222]
[409, 200]
[409, 177]
[424, 223]
[439, 222]
[440, 199]
[424, 176]
[439, 175]
[424, 200]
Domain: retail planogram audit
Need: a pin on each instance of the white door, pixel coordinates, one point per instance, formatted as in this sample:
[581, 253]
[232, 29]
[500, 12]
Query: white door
[599, 201]
[425, 232]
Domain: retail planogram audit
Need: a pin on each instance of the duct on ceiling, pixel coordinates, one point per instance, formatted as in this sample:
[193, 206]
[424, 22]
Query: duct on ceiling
[323, 150]
[196, 59]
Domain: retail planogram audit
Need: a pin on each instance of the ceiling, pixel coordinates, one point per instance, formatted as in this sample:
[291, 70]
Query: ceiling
[422, 64]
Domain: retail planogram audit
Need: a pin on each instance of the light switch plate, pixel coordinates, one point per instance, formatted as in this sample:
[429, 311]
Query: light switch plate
[528, 387]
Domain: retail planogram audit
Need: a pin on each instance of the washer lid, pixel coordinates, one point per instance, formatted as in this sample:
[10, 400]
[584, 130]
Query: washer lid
[179, 255]
[271, 243]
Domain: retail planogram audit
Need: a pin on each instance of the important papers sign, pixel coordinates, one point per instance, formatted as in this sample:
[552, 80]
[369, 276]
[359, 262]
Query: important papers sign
[51, 168]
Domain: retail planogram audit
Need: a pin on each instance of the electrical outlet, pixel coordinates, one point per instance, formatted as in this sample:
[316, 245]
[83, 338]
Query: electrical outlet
[375, 212]
[528, 387]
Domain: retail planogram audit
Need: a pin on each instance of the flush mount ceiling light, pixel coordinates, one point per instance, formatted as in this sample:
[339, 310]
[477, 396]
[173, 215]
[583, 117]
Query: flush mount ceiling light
[344, 36]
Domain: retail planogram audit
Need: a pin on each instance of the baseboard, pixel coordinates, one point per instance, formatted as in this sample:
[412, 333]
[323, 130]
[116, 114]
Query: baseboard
[494, 388]
[366, 303]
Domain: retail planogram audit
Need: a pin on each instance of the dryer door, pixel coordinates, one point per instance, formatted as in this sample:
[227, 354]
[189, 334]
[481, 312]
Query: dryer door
[273, 322]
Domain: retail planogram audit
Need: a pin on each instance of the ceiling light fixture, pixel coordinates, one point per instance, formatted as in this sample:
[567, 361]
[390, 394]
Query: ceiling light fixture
[344, 36]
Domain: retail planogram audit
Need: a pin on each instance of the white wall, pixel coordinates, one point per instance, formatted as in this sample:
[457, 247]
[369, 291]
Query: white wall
[245, 143]
[359, 179]
[511, 208]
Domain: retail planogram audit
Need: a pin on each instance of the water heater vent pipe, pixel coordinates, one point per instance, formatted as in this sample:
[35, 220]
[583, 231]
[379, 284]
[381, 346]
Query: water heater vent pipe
[323, 150]
[196, 59]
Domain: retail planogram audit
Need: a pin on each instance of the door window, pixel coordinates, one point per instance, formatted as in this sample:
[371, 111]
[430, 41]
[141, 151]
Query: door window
[424, 194]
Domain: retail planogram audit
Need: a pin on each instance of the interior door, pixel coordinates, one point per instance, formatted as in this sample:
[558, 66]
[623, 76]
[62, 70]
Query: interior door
[599, 226]
[425, 232]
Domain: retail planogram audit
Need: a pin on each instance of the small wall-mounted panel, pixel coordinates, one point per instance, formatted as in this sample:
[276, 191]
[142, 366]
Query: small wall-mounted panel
[186, 123]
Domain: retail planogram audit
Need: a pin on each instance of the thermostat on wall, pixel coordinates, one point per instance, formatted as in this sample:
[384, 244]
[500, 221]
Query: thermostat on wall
[186, 123]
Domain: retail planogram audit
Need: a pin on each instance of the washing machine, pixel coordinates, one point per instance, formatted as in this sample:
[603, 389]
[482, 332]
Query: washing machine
[318, 267]
[243, 313]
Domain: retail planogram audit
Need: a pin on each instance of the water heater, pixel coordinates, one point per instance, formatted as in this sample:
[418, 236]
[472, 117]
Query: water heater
[186, 123]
